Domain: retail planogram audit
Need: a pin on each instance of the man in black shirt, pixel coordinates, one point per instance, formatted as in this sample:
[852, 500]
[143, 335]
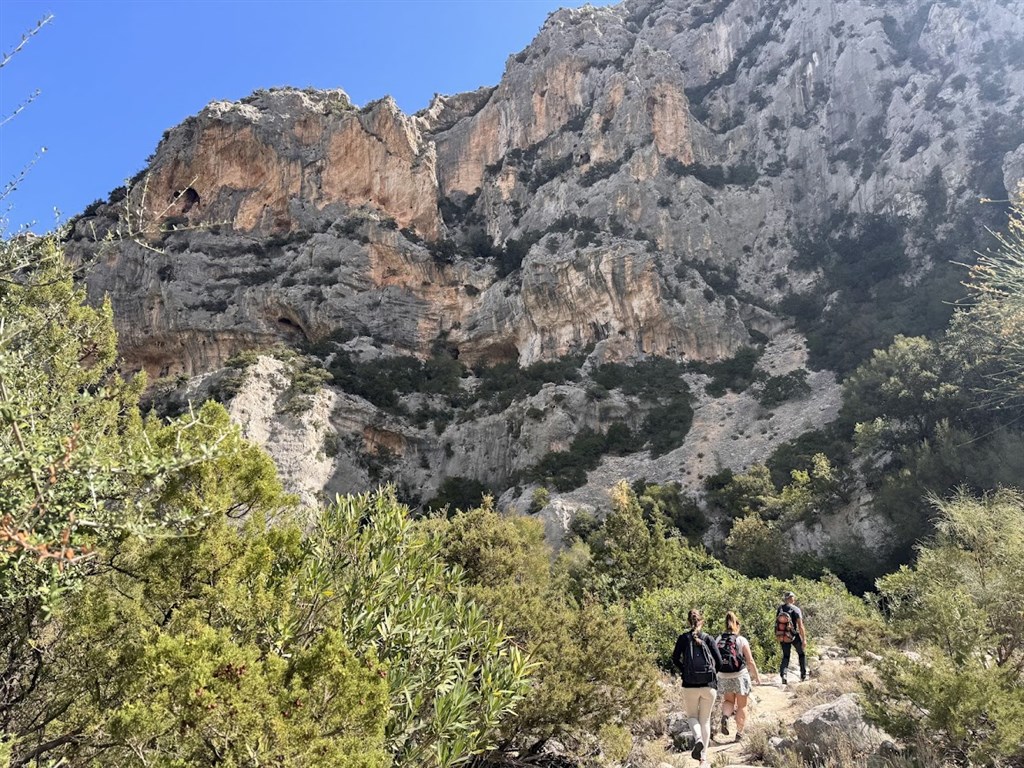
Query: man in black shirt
[790, 632]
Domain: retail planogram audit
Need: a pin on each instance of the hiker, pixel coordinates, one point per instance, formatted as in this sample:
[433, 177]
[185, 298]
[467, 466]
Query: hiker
[737, 676]
[696, 657]
[790, 632]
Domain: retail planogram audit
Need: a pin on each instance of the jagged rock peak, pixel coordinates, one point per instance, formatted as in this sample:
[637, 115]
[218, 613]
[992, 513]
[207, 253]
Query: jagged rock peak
[642, 178]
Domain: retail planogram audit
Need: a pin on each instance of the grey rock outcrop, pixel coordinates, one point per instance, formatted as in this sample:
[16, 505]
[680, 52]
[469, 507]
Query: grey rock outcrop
[646, 181]
[679, 731]
[837, 724]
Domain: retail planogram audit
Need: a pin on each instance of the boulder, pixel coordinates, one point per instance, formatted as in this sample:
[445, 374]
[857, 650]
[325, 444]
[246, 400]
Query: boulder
[680, 731]
[823, 729]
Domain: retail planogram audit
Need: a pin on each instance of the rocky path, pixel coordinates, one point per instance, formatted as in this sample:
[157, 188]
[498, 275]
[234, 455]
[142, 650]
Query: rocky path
[769, 703]
[773, 707]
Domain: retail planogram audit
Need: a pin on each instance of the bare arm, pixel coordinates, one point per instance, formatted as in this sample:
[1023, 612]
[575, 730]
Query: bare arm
[751, 664]
[800, 629]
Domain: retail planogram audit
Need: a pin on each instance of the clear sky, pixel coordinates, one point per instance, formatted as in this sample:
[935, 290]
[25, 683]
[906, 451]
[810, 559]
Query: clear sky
[114, 76]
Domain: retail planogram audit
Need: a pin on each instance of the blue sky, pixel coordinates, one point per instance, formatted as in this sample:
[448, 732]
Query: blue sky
[114, 76]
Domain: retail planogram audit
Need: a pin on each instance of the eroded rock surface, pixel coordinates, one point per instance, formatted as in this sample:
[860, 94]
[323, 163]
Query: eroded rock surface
[647, 180]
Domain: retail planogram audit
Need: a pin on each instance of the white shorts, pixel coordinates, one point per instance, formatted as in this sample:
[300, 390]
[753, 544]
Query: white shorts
[740, 684]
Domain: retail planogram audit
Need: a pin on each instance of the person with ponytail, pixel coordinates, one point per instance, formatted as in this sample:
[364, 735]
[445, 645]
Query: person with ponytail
[697, 658]
[737, 675]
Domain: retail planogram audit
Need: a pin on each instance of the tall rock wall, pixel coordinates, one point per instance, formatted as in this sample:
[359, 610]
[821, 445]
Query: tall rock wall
[646, 180]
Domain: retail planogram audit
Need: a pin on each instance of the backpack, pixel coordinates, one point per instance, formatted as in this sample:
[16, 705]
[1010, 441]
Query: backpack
[728, 648]
[698, 667]
[784, 630]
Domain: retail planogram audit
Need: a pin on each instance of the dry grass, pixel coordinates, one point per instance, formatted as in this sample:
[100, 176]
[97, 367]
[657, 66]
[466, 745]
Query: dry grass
[651, 754]
[828, 681]
[756, 745]
[760, 750]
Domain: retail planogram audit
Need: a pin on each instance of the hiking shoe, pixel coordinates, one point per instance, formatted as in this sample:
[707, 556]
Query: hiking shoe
[725, 725]
[784, 681]
[698, 750]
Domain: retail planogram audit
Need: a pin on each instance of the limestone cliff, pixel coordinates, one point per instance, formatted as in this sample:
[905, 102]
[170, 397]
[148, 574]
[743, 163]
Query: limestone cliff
[651, 179]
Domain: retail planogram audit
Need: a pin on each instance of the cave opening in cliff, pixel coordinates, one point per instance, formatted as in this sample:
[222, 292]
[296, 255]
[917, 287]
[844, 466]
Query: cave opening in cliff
[188, 198]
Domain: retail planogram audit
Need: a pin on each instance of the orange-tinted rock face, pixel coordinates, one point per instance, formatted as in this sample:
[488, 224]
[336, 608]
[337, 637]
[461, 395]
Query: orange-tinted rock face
[312, 193]
[639, 178]
[382, 161]
[245, 167]
[670, 122]
[234, 177]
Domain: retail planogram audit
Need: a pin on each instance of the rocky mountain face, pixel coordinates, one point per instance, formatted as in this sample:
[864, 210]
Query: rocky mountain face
[729, 187]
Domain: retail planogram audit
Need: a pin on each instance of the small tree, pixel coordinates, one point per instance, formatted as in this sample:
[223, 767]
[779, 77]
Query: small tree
[993, 323]
[756, 547]
[453, 679]
[589, 674]
[962, 606]
[78, 466]
[630, 555]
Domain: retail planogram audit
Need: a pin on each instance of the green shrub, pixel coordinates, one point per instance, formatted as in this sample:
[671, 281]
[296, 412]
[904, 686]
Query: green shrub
[778, 389]
[452, 677]
[649, 378]
[200, 676]
[347, 641]
[832, 440]
[385, 380]
[590, 675]
[666, 426]
[540, 499]
[225, 385]
[667, 503]
[505, 383]
[962, 607]
[735, 373]
[566, 470]
[459, 493]
[603, 169]
[658, 381]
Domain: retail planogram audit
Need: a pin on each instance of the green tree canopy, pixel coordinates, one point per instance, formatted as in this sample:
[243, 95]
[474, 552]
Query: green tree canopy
[78, 465]
[962, 608]
[589, 673]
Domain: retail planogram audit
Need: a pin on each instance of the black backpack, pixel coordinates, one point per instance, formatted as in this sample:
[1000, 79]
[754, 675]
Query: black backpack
[728, 649]
[698, 666]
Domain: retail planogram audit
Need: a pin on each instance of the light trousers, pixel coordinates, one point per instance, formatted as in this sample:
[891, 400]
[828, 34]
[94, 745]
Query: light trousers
[698, 703]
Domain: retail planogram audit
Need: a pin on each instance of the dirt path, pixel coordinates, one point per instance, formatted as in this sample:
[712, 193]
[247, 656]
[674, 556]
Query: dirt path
[772, 708]
[772, 704]
[769, 703]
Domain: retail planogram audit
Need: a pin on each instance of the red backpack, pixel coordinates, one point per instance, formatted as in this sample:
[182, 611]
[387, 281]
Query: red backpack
[785, 632]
